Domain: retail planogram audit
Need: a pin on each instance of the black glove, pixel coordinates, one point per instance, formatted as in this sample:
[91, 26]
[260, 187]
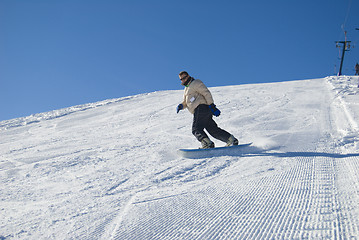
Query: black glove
[215, 111]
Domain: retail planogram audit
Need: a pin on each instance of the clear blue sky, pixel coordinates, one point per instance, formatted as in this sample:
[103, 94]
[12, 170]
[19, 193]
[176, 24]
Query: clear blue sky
[61, 53]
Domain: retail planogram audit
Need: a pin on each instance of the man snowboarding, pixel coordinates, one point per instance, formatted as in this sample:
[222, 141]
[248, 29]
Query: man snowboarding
[198, 100]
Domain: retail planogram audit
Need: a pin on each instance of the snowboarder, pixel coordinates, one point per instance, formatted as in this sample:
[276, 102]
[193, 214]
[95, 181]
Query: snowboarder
[357, 69]
[198, 100]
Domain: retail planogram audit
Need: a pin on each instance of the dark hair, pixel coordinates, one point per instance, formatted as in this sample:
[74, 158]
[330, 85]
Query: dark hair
[183, 73]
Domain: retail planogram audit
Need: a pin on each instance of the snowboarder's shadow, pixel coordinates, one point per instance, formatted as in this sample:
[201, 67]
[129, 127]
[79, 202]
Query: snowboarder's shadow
[263, 152]
[254, 151]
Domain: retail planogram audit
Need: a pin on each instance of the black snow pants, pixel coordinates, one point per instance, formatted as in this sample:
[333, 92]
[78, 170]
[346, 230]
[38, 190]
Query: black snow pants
[202, 119]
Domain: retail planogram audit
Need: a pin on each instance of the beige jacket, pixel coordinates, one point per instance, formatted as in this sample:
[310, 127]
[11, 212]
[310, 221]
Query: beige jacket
[195, 94]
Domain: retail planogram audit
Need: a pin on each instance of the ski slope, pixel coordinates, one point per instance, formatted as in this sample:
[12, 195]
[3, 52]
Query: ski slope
[110, 170]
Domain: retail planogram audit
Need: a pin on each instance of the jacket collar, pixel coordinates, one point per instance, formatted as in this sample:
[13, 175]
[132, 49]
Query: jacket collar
[188, 82]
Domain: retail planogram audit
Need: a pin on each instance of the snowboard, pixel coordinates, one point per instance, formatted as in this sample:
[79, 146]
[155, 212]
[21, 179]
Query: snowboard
[213, 152]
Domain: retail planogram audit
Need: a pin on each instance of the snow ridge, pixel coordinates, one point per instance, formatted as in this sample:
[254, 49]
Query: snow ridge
[346, 109]
[36, 118]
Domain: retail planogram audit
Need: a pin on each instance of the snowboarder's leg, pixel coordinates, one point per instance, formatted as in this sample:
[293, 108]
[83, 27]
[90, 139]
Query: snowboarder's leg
[200, 119]
[220, 134]
[217, 132]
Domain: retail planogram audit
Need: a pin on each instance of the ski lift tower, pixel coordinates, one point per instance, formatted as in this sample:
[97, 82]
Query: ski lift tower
[346, 47]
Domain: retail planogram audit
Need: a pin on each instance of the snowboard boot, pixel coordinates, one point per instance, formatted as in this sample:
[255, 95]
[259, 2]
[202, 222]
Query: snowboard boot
[206, 143]
[232, 141]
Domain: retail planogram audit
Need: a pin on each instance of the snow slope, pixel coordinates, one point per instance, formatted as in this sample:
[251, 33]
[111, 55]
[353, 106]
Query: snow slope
[110, 170]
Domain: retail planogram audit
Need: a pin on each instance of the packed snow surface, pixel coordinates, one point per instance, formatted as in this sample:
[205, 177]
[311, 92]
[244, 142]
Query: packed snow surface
[110, 170]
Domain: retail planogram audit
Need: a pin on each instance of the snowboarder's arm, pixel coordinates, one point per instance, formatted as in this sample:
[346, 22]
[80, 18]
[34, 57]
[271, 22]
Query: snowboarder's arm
[184, 104]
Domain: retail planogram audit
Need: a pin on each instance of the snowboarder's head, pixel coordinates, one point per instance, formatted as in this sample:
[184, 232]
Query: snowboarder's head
[184, 77]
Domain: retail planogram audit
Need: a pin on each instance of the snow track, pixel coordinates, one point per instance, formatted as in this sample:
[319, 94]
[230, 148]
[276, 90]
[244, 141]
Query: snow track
[109, 170]
[301, 202]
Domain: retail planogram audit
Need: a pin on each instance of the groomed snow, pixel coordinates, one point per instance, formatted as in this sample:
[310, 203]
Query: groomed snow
[110, 170]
